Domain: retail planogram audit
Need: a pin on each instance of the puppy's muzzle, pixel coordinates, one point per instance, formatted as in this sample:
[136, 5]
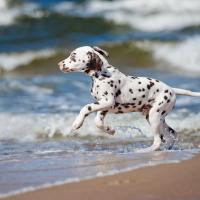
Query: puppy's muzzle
[63, 67]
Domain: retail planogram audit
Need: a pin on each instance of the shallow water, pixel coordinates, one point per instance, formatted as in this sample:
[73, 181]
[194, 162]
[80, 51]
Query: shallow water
[37, 148]
[38, 103]
[40, 168]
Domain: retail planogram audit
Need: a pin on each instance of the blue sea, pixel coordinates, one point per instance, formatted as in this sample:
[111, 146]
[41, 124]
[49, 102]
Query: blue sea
[38, 103]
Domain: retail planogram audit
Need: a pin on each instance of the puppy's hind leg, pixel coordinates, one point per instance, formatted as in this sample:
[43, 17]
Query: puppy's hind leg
[99, 121]
[170, 136]
[155, 123]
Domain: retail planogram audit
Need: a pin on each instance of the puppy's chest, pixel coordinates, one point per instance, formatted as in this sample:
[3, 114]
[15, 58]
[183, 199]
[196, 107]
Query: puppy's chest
[103, 88]
[95, 89]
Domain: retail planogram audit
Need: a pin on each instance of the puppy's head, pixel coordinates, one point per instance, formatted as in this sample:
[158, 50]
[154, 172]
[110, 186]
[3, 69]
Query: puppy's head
[84, 59]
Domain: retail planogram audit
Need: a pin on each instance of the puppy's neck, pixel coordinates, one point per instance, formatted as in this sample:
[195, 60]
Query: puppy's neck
[103, 73]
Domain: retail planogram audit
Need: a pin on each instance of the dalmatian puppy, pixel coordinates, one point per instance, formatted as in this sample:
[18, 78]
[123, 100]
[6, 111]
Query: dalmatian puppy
[116, 92]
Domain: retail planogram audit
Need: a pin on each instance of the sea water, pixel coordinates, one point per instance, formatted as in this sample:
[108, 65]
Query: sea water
[38, 103]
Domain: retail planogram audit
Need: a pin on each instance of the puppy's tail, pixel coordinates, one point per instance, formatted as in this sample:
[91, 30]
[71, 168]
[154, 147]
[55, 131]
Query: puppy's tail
[186, 92]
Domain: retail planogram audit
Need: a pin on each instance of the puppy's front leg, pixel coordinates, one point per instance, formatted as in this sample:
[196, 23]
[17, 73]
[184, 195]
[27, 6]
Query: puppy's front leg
[89, 108]
[99, 121]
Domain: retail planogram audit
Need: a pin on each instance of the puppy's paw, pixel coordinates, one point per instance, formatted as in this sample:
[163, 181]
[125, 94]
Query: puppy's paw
[77, 124]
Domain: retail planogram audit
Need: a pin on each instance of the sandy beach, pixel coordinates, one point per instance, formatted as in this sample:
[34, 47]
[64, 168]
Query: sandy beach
[166, 181]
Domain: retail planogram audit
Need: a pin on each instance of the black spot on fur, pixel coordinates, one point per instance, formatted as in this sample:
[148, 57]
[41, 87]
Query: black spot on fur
[150, 100]
[158, 110]
[118, 93]
[139, 90]
[106, 93]
[151, 84]
[104, 112]
[131, 91]
[126, 106]
[134, 99]
[168, 100]
[139, 82]
[140, 102]
[96, 103]
[89, 108]
[116, 105]
[165, 97]
[96, 75]
[157, 90]
[119, 81]
[166, 91]
[133, 77]
[163, 112]
[143, 96]
[147, 117]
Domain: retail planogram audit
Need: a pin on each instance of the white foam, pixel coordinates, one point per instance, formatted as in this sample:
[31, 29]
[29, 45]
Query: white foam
[10, 61]
[62, 7]
[8, 15]
[184, 55]
[49, 125]
[180, 56]
[151, 15]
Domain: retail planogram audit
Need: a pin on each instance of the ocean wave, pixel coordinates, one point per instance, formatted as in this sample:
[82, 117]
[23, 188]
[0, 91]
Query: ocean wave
[8, 15]
[183, 55]
[178, 56]
[34, 127]
[151, 16]
[10, 61]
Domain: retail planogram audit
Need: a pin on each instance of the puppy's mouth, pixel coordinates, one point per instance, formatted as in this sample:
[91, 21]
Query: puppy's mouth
[67, 70]
[64, 69]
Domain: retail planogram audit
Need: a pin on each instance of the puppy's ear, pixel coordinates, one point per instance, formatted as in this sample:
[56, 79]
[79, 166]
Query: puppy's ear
[101, 51]
[95, 62]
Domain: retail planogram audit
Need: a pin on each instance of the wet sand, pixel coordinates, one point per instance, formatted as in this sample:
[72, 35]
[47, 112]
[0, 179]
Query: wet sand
[177, 181]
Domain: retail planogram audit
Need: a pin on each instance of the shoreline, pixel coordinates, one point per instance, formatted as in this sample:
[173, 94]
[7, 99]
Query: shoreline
[163, 181]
